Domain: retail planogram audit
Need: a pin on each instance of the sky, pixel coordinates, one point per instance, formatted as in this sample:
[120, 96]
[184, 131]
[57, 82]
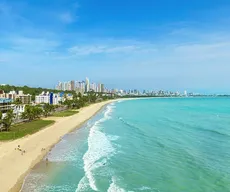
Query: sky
[150, 44]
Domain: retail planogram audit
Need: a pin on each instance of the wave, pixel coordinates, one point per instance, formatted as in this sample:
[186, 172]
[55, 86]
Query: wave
[114, 187]
[137, 129]
[179, 125]
[100, 149]
[128, 123]
[145, 188]
[215, 132]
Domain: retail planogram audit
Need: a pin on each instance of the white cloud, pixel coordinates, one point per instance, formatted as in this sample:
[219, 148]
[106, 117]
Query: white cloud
[96, 49]
[67, 17]
[38, 45]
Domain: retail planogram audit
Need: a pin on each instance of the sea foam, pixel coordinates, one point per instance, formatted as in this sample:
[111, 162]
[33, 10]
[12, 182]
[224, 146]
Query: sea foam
[114, 187]
[99, 150]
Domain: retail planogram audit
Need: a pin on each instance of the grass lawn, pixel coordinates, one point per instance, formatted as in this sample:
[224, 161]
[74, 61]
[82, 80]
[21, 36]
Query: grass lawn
[65, 113]
[21, 130]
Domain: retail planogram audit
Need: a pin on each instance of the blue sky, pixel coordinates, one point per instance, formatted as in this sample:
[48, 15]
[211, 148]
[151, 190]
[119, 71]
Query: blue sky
[150, 44]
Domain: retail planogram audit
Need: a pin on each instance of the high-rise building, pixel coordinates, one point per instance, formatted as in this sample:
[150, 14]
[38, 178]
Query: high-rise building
[69, 86]
[185, 93]
[80, 86]
[87, 85]
[72, 85]
[93, 87]
[98, 88]
[102, 88]
[65, 86]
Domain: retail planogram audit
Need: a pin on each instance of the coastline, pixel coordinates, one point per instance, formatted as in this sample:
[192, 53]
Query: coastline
[14, 167]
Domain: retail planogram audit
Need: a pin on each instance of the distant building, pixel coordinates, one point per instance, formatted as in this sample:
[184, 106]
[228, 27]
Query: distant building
[185, 93]
[2, 94]
[66, 86]
[25, 99]
[13, 95]
[60, 86]
[102, 88]
[80, 86]
[49, 98]
[72, 85]
[5, 104]
[93, 87]
[87, 85]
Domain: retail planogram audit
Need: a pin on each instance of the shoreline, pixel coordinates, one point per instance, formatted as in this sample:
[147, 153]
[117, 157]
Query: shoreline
[14, 167]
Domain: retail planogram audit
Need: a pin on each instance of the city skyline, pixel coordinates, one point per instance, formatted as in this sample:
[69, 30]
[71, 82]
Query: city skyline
[81, 86]
[169, 45]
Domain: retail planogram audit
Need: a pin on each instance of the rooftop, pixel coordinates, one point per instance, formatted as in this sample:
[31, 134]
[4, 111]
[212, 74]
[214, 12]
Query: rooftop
[3, 100]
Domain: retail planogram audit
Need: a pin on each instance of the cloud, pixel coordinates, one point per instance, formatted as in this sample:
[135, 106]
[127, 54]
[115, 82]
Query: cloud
[29, 45]
[98, 49]
[67, 17]
[2, 61]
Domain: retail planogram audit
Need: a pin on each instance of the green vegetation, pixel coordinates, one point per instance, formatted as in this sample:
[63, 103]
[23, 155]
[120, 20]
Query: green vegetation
[32, 112]
[47, 109]
[65, 113]
[7, 120]
[21, 130]
[80, 100]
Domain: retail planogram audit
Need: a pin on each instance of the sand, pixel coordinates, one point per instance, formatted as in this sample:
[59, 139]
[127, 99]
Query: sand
[14, 166]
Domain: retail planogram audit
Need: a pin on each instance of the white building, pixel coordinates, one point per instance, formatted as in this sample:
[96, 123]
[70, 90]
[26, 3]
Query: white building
[185, 93]
[42, 99]
[93, 87]
[49, 98]
[87, 85]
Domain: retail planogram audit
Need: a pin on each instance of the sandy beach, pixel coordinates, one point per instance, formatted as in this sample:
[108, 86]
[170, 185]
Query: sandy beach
[14, 166]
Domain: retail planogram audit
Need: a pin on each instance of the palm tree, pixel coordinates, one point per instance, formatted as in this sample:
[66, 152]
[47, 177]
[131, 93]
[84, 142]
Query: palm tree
[0, 120]
[47, 109]
[8, 120]
[79, 95]
[37, 111]
[28, 113]
[68, 103]
[32, 112]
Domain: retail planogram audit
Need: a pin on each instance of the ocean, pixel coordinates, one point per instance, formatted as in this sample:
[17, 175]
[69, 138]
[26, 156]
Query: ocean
[148, 145]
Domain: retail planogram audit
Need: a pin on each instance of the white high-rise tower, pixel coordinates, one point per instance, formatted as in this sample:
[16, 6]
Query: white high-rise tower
[87, 84]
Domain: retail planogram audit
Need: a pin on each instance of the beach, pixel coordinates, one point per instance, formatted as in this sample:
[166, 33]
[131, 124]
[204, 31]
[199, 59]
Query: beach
[14, 165]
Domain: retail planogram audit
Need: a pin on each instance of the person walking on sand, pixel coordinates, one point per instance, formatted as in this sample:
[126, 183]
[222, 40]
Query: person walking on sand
[47, 161]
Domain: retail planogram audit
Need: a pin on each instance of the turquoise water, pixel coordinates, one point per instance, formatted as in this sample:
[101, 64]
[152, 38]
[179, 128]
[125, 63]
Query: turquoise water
[157, 145]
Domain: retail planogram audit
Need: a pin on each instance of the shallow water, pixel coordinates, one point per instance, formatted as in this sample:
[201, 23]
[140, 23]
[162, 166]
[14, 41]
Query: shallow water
[162, 145]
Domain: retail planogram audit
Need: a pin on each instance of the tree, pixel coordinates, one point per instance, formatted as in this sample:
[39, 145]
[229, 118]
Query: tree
[0, 120]
[17, 101]
[47, 109]
[8, 120]
[37, 112]
[79, 95]
[68, 103]
[30, 113]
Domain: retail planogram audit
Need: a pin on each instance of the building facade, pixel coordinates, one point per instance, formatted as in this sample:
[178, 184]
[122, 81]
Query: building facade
[87, 85]
[49, 98]
[5, 105]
